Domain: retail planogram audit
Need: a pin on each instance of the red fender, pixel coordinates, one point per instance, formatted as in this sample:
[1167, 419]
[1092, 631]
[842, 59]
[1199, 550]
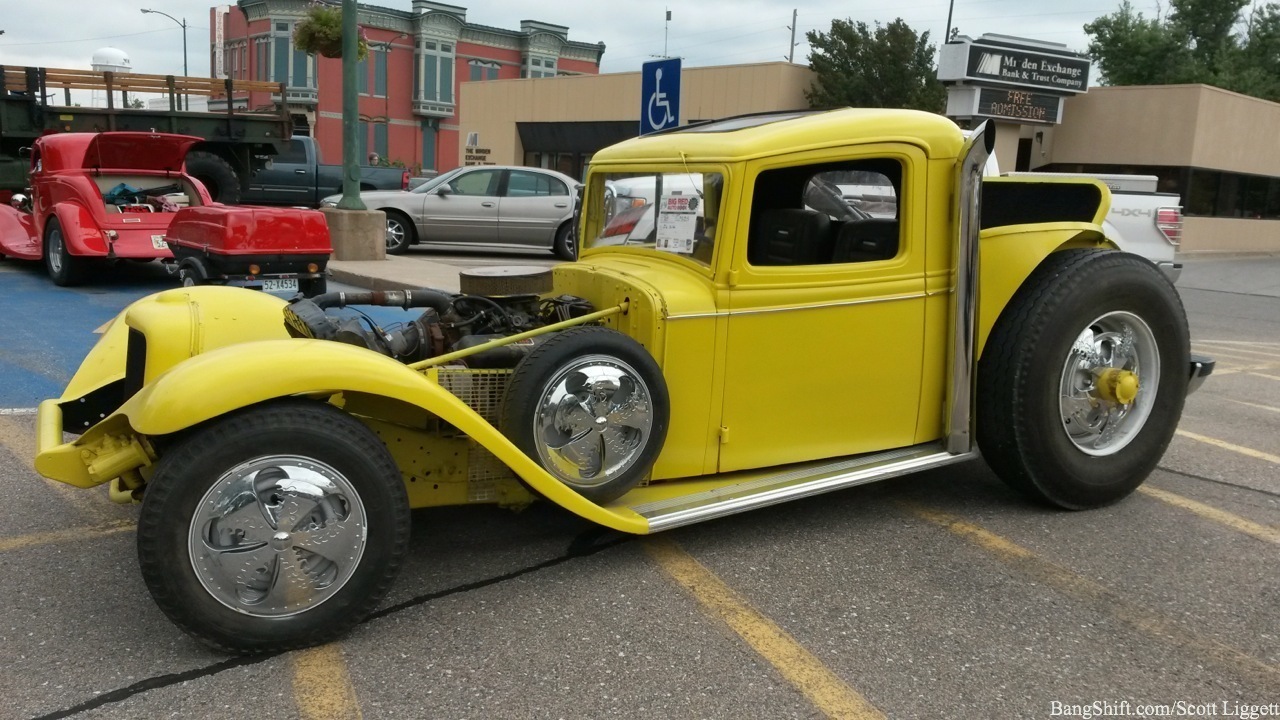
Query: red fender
[79, 230]
[18, 236]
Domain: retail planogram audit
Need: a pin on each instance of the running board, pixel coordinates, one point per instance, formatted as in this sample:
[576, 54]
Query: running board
[761, 491]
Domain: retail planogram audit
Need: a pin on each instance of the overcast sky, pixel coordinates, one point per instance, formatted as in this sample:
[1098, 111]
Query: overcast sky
[64, 33]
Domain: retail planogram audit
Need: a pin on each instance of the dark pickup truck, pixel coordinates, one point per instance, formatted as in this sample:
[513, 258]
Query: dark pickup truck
[297, 177]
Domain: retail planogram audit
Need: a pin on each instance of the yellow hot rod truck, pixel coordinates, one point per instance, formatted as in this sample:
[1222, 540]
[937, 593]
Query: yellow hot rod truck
[765, 308]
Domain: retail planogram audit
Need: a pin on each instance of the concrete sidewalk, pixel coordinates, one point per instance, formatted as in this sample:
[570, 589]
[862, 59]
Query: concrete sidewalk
[396, 273]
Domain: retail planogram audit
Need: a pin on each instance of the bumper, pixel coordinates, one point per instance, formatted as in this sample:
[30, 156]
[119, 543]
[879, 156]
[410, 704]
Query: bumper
[55, 459]
[1172, 270]
[1201, 368]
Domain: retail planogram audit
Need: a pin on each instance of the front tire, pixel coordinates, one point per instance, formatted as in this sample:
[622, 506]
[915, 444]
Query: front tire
[590, 406]
[400, 233]
[280, 526]
[1081, 384]
[64, 268]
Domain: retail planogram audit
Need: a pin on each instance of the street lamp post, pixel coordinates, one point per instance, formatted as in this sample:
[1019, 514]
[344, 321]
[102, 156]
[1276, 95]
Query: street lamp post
[183, 24]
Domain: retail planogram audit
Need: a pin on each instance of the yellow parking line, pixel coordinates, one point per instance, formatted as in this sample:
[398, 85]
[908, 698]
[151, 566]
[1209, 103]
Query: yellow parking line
[1253, 405]
[1237, 351]
[322, 687]
[1258, 454]
[1234, 354]
[1103, 599]
[1258, 374]
[797, 665]
[1235, 522]
[56, 536]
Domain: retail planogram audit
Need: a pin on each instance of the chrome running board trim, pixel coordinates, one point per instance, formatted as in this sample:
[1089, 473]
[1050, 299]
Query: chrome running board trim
[794, 484]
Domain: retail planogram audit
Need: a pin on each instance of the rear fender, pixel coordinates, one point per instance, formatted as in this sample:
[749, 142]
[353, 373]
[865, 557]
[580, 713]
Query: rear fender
[221, 381]
[18, 234]
[80, 231]
[1009, 253]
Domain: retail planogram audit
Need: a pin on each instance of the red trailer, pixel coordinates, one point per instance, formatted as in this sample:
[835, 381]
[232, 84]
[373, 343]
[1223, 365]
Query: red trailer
[274, 249]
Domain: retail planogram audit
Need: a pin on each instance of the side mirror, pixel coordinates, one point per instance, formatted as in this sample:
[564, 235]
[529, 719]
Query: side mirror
[24, 151]
[20, 202]
[444, 190]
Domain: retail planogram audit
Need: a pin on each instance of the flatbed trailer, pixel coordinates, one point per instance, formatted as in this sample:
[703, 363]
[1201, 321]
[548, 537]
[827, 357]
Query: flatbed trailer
[35, 101]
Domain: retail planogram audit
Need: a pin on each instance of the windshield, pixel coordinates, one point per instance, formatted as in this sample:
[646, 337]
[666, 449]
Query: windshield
[434, 182]
[675, 213]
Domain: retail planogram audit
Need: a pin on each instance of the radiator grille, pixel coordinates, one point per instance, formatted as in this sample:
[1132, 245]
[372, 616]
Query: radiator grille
[482, 391]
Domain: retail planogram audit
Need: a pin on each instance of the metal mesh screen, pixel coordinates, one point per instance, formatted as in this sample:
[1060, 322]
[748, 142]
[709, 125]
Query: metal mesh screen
[482, 391]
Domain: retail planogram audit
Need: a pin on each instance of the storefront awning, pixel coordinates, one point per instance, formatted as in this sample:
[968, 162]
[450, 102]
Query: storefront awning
[574, 137]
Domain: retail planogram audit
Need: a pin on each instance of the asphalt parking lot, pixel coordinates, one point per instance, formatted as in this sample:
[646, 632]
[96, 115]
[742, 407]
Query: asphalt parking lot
[939, 595]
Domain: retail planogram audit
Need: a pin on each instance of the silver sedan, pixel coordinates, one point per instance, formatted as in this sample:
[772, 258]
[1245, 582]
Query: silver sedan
[484, 206]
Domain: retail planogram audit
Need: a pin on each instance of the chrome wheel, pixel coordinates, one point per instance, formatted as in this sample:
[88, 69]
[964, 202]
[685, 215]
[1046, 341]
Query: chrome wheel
[593, 421]
[56, 250]
[1109, 383]
[396, 233]
[277, 535]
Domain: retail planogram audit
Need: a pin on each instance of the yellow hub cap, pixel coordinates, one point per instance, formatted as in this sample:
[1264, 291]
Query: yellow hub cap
[1117, 385]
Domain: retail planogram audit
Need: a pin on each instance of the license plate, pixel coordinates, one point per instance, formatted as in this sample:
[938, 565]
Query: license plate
[286, 285]
[157, 242]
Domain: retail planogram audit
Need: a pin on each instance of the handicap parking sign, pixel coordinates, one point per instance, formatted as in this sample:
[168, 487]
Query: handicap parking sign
[659, 95]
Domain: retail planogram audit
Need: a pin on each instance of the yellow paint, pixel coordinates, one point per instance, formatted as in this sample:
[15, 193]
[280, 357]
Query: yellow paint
[1222, 517]
[828, 693]
[15, 438]
[68, 535]
[322, 686]
[1250, 452]
[1264, 375]
[1102, 599]
[1117, 385]
[1253, 405]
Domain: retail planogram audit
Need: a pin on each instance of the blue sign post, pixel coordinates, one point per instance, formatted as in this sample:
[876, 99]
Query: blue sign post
[659, 95]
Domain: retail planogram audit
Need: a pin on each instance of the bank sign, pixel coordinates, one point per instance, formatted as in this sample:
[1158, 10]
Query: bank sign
[1014, 66]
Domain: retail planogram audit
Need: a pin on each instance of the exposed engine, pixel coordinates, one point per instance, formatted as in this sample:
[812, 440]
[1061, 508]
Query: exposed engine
[448, 322]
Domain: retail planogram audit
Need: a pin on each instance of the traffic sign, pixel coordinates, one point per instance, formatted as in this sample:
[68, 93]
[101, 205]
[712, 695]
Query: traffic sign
[659, 95]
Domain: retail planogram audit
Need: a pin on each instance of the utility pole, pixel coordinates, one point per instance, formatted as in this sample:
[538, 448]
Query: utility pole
[350, 110]
[950, 8]
[665, 29]
[791, 51]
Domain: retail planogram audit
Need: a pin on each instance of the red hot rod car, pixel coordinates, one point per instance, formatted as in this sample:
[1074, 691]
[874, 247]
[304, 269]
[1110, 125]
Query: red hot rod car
[99, 195]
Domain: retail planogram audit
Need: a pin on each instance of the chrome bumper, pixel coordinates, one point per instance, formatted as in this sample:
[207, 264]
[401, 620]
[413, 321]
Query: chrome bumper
[1201, 368]
[1172, 270]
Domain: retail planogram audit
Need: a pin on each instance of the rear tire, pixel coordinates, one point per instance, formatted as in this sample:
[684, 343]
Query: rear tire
[1056, 419]
[566, 243]
[294, 514]
[216, 174]
[400, 232]
[64, 268]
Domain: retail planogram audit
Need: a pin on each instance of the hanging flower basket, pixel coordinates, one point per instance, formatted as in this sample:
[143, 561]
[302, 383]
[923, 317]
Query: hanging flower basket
[319, 32]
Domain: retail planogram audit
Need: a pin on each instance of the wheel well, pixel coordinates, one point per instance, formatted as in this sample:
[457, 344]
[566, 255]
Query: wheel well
[404, 217]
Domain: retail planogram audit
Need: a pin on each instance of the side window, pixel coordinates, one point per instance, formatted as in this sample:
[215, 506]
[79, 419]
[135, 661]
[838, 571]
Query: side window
[296, 154]
[480, 182]
[826, 214]
[530, 184]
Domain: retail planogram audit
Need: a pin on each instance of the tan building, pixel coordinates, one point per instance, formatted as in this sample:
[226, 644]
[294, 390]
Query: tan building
[1216, 149]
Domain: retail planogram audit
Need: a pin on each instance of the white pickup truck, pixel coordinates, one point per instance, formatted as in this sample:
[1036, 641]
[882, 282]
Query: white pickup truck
[1141, 220]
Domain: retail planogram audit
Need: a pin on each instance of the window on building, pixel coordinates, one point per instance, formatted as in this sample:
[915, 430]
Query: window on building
[428, 145]
[262, 69]
[362, 137]
[280, 57]
[362, 77]
[244, 61]
[538, 67]
[437, 72]
[380, 73]
[301, 70]
[481, 70]
[380, 139]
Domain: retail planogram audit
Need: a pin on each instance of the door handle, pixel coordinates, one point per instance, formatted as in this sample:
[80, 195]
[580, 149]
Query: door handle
[562, 205]
[486, 204]
[299, 172]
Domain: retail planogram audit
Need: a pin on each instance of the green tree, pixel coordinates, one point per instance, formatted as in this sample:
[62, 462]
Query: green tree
[1200, 41]
[1133, 50]
[890, 66]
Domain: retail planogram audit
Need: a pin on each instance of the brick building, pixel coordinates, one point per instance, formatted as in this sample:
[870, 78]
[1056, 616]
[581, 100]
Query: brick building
[408, 86]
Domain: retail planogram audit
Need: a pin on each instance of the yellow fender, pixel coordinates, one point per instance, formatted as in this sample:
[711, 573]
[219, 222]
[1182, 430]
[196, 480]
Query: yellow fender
[1008, 254]
[221, 381]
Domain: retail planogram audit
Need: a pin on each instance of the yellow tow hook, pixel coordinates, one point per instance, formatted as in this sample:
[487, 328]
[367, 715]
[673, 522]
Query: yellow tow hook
[1117, 385]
